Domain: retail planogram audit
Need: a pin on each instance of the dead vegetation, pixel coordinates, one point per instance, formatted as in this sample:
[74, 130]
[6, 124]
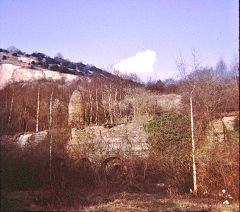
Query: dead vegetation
[125, 201]
[114, 184]
[162, 181]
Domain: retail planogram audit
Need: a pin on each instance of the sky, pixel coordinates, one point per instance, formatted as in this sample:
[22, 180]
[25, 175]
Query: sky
[145, 37]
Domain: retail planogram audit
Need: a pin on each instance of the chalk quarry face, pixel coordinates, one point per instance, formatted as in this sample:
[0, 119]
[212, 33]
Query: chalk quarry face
[125, 139]
[10, 73]
[31, 138]
[219, 128]
[76, 109]
[96, 141]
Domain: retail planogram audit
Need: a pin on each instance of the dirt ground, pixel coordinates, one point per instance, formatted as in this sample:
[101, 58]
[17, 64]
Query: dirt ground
[39, 201]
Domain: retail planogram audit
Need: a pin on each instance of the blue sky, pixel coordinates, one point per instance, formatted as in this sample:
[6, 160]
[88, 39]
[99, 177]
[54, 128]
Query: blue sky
[106, 32]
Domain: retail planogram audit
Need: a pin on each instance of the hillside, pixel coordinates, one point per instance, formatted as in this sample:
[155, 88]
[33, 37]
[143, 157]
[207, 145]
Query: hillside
[18, 66]
[77, 136]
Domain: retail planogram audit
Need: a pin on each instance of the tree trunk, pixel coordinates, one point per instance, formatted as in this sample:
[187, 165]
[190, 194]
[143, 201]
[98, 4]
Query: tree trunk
[110, 105]
[193, 150]
[50, 111]
[97, 107]
[50, 142]
[91, 107]
[10, 112]
[37, 119]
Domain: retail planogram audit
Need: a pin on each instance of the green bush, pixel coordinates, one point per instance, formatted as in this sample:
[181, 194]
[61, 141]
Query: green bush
[170, 143]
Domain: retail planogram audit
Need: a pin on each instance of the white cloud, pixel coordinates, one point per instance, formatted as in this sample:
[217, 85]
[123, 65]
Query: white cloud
[141, 64]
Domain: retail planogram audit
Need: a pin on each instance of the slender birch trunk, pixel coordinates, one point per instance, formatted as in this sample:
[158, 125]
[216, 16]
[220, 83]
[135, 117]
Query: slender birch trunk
[10, 112]
[50, 111]
[115, 105]
[97, 108]
[91, 107]
[193, 149]
[110, 105]
[37, 119]
[104, 107]
[50, 143]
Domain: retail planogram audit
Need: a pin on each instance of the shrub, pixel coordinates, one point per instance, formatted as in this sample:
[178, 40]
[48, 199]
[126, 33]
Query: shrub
[218, 165]
[55, 68]
[38, 55]
[16, 174]
[156, 86]
[170, 143]
[3, 50]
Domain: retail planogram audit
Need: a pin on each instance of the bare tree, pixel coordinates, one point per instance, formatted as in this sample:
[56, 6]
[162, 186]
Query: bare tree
[50, 142]
[193, 147]
[190, 87]
[11, 106]
[37, 116]
[97, 108]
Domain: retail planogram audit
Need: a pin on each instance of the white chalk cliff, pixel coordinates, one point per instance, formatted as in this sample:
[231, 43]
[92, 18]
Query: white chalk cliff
[10, 73]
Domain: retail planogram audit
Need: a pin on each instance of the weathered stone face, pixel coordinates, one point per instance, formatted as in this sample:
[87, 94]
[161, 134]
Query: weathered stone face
[169, 102]
[128, 138]
[231, 122]
[96, 141]
[16, 73]
[218, 128]
[76, 109]
[31, 138]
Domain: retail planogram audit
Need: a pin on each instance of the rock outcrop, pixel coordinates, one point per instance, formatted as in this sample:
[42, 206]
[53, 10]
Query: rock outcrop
[96, 141]
[30, 138]
[14, 73]
[21, 67]
[24, 139]
[126, 138]
[219, 128]
[169, 102]
[76, 110]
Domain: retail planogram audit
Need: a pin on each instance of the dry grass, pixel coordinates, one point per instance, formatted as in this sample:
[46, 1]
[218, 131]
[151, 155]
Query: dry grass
[36, 201]
[151, 202]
